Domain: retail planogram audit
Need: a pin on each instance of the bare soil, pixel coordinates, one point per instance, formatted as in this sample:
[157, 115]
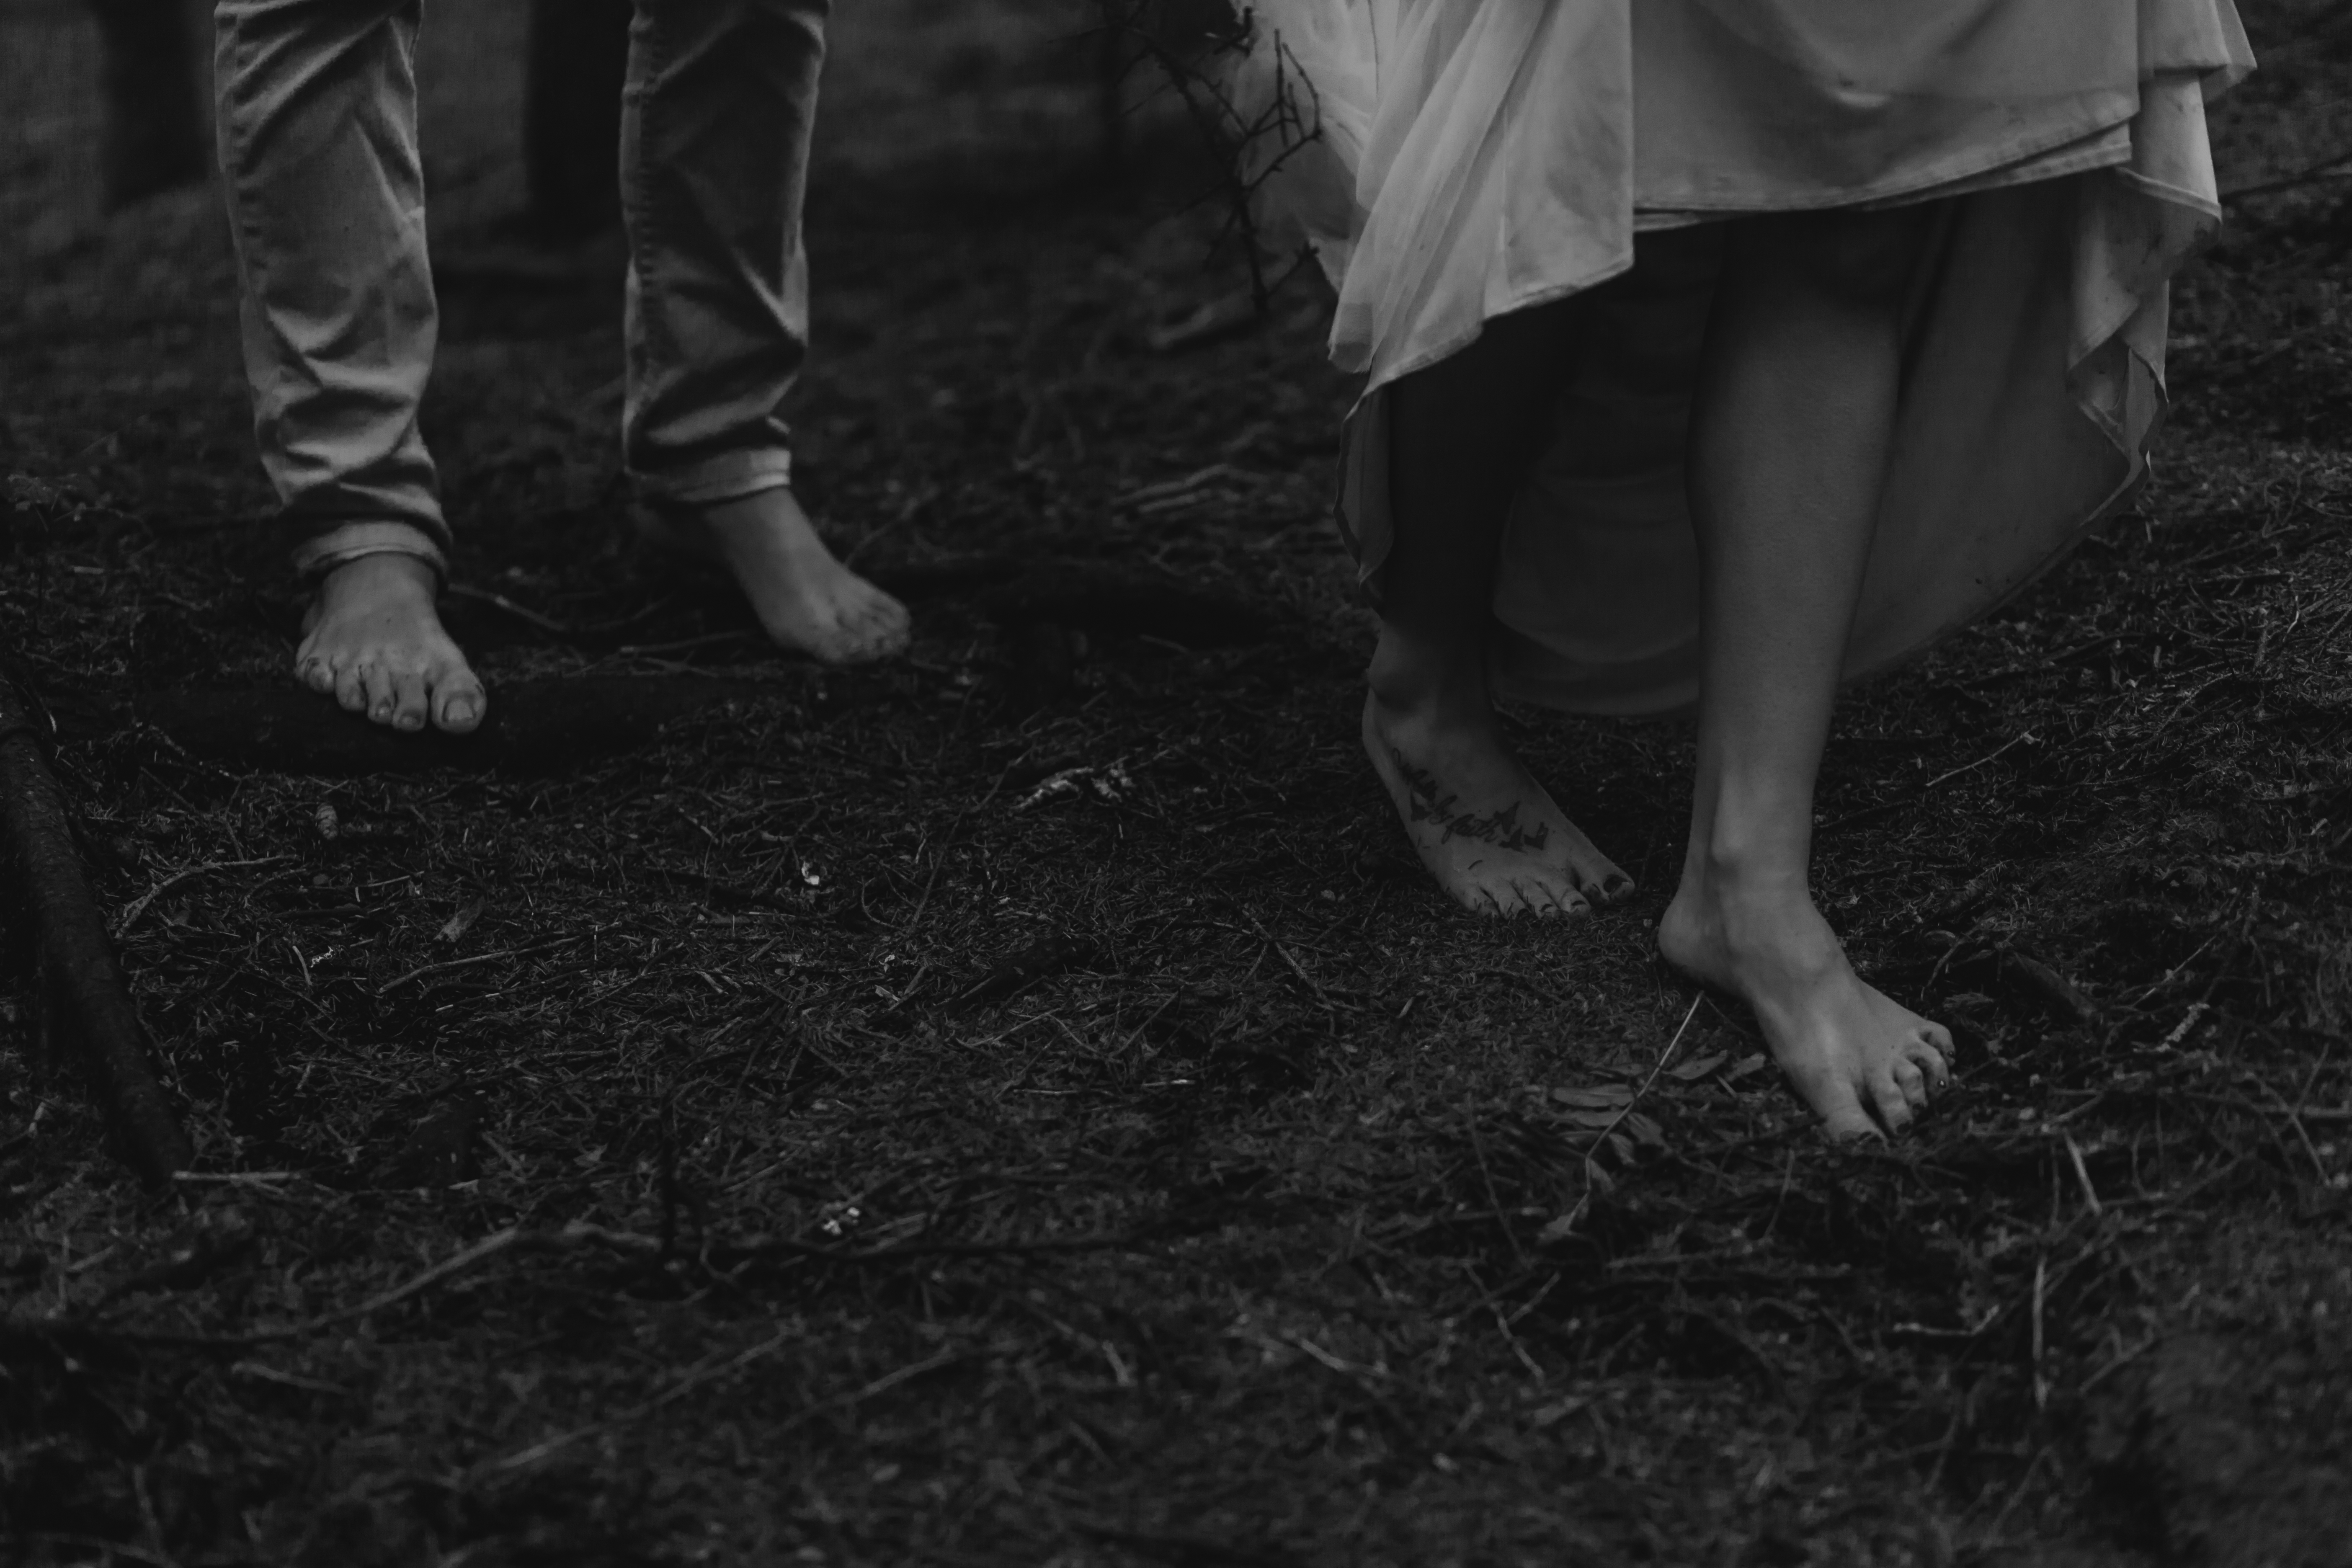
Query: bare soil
[1016, 1106]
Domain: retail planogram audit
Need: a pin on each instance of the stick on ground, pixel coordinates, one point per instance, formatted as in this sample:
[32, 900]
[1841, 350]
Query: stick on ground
[85, 1007]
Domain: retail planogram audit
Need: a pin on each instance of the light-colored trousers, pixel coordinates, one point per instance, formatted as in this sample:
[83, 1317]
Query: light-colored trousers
[326, 195]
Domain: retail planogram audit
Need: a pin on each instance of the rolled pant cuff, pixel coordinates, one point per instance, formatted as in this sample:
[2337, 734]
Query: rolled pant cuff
[340, 545]
[707, 483]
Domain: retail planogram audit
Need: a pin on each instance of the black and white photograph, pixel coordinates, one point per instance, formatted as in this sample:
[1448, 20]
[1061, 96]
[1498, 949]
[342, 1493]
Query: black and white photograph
[1175, 784]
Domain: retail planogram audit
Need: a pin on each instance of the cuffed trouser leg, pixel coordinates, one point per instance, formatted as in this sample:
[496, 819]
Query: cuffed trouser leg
[325, 197]
[714, 155]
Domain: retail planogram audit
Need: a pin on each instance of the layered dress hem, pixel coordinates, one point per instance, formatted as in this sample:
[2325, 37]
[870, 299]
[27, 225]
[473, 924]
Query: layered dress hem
[1479, 157]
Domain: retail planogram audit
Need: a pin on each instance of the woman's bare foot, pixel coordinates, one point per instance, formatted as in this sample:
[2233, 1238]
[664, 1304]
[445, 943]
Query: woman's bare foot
[1852, 1053]
[373, 641]
[807, 600]
[1491, 836]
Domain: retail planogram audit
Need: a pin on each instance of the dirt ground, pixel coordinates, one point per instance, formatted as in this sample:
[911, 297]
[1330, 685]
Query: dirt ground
[1015, 1106]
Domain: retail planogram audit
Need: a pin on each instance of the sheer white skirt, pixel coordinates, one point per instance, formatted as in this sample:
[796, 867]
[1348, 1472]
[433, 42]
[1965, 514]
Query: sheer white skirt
[1475, 157]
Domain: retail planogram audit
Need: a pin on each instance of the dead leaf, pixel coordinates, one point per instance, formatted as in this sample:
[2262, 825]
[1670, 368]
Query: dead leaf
[463, 920]
[1608, 1097]
[1697, 1068]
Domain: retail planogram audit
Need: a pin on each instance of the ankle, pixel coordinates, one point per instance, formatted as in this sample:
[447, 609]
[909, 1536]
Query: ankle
[767, 511]
[384, 576]
[1727, 917]
[1736, 874]
[1410, 675]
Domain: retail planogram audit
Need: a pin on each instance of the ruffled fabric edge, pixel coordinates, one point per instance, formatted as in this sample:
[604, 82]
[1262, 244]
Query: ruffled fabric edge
[2104, 242]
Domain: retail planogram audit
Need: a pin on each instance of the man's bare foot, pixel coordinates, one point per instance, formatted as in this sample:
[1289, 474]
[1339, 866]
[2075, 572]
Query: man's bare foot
[1852, 1053]
[807, 600]
[373, 642]
[1487, 832]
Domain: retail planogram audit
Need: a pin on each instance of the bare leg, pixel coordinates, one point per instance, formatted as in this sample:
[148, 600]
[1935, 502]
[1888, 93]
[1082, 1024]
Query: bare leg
[1789, 444]
[373, 642]
[1464, 432]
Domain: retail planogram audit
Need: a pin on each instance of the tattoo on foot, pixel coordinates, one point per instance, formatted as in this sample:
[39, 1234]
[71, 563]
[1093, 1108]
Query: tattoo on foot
[1431, 804]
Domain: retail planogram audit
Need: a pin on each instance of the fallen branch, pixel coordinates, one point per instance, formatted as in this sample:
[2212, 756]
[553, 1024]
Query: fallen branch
[74, 966]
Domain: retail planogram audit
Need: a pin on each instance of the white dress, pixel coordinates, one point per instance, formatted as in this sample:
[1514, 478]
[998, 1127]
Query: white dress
[1474, 157]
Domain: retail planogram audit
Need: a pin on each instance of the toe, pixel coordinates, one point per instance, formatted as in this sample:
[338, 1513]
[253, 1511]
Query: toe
[1616, 888]
[842, 637]
[1549, 899]
[1479, 898]
[1539, 900]
[1887, 1098]
[379, 685]
[856, 646]
[884, 626]
[351, 689]
[1912, 1082]
[460, 704]
[1844, 1118]
[1934, 1061]
[313, 671]
[1508, 898]
[411, 702]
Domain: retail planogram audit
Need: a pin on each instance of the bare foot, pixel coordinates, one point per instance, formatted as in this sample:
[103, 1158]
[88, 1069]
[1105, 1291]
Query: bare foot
[1487, 832]
[807, 600]
[1862, 1061]
[373, 641]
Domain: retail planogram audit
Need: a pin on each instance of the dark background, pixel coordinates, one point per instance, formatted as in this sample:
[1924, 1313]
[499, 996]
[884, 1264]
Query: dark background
[1014, 1106]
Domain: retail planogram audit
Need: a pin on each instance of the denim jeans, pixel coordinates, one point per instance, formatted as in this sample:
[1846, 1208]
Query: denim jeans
[326, 195]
